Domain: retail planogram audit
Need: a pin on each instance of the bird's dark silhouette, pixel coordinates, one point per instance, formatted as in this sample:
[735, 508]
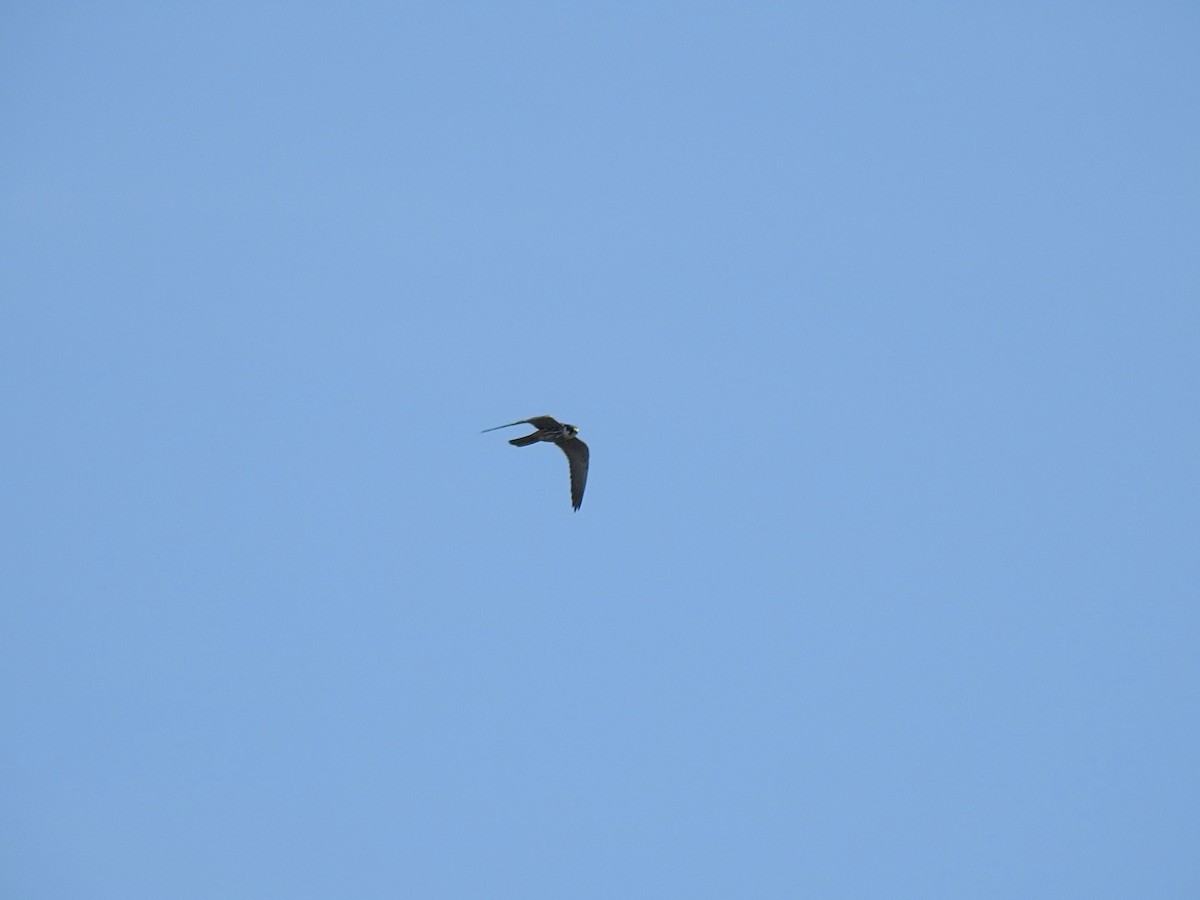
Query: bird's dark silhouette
[566, 437]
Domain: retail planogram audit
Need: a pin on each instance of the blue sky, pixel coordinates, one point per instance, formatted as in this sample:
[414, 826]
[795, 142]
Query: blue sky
[881, 322]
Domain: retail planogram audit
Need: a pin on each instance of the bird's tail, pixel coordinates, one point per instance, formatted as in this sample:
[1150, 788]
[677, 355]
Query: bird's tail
[525, 441]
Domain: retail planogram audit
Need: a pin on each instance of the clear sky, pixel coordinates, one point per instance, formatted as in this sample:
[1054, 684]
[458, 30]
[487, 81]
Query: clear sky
[882, 322]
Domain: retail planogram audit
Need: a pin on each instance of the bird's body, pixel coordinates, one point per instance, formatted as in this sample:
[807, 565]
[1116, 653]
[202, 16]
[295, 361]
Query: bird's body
[566, 437]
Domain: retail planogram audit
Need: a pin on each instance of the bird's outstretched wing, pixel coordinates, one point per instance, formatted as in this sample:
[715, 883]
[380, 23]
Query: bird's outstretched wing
[537, 422]
[577, 458]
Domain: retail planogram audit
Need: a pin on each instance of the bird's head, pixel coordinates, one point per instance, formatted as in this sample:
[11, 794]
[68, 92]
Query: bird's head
[572, 431]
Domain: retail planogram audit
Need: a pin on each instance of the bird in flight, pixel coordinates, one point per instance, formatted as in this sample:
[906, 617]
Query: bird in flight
[567, 438]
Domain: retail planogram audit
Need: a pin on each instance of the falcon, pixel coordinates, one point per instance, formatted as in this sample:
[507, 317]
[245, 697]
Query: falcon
[567, 438]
